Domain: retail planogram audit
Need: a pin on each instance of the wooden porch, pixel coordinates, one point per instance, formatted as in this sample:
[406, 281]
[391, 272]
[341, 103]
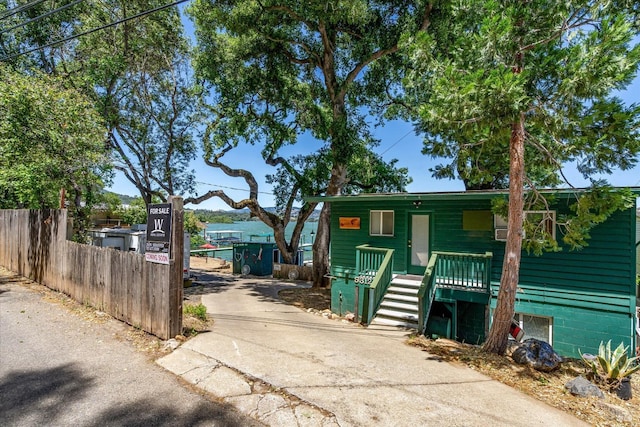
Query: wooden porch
[406, 300]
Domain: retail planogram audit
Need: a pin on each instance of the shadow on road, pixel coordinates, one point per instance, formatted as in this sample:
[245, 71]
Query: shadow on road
[38, 397]
[45, 397]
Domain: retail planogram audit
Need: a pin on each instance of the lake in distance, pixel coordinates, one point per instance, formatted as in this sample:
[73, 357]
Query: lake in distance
[256, 231]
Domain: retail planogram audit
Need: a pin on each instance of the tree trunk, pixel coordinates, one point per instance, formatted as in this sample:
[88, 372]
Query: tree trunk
[503, 314]
[323, 234]
[321, 248]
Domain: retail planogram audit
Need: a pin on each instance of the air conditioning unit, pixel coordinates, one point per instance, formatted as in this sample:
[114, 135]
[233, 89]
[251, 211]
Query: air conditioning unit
[501, 234]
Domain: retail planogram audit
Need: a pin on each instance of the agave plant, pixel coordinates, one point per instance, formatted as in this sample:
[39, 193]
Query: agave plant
[611, 367]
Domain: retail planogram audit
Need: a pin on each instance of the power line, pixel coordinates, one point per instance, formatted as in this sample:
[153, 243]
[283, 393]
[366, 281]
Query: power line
[19, 9]
[396, 143]
[44, 15]
[112, 24]
[231, 188]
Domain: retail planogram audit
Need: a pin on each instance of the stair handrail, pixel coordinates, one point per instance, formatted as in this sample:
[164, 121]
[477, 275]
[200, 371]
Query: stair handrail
[427, 292]
[375, 267]
[432, 275]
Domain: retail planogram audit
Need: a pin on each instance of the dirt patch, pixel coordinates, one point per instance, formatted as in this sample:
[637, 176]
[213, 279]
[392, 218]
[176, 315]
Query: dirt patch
[547, 387]
[316, 298]
[209, 264]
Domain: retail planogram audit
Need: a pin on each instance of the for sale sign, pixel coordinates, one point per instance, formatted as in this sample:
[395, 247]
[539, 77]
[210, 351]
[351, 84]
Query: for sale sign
[158, 233]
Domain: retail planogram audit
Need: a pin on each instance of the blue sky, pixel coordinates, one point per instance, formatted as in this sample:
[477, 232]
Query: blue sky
[398, 141]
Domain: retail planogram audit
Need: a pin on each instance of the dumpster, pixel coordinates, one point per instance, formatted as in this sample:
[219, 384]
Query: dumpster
[255, 258]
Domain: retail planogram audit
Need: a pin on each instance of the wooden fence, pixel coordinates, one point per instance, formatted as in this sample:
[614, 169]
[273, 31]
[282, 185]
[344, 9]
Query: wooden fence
[33, 244]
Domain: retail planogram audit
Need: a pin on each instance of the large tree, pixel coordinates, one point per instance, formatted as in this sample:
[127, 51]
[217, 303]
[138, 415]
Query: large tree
[137, 73]
[51, 139]
[518, 76]
[281, 69]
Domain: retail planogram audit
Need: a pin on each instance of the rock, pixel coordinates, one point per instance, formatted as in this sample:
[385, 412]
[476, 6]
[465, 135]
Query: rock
[350, 317]
[582, 387]
[537, 354]
[623, 391]
[620, 414]
[171, 344]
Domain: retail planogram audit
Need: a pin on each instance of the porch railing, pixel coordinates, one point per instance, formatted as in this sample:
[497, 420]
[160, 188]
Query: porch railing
[467, 272]
[374, 270]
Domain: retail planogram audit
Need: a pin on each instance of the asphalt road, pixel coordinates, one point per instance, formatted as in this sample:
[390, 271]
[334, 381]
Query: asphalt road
[57, 369]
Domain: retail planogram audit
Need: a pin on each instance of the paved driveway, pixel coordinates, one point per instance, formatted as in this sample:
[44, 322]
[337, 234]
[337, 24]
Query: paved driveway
[360, 376]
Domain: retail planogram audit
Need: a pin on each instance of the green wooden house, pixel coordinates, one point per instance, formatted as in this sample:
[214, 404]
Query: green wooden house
[432, 262]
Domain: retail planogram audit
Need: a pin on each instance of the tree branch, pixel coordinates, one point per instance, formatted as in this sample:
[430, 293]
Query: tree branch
[382, 52]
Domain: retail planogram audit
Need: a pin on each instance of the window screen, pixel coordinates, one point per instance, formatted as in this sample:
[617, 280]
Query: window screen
[381, 223]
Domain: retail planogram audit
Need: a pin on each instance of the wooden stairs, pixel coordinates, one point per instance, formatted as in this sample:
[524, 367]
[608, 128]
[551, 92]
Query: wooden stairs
[399, 306]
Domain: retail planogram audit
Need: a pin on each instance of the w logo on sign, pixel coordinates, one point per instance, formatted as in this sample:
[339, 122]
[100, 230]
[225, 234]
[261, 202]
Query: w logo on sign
[157, 227]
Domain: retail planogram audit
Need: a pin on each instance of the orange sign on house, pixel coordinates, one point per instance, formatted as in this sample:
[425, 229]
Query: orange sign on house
[349, 223]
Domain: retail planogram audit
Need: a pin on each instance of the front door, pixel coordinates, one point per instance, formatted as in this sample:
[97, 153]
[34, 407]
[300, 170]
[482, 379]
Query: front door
[418, 243]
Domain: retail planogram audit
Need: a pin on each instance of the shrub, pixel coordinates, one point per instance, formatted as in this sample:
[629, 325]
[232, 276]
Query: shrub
[610, 367]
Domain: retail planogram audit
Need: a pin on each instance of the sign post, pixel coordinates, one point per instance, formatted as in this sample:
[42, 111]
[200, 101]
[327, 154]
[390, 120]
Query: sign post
[165, 243]
[176, 266]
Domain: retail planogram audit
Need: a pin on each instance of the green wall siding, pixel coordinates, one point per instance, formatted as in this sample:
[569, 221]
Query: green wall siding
[604, 267]
[445, 223]
[578, 328]
[577, 288]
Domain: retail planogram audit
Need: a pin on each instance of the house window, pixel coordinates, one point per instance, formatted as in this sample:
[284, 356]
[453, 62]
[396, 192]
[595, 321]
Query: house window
[541, 221]
[381, 223]
[537, 327]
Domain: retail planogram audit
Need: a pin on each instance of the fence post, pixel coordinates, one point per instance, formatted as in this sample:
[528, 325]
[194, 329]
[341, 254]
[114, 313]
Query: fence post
[176, 266]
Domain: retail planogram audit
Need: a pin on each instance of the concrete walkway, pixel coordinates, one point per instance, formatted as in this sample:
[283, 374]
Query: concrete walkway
[284, 366]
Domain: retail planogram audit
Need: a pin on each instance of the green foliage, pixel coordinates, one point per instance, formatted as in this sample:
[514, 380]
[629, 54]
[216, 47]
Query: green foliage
[281, 72]
[51, 138]
[135, 213]
[539, 237]
[226, 219]
[111, 203]
[218, 217]
[292, 70]
[483, 63]
[198, 311]
[197, 240]
[191, 223]
[610, 367]
[592, 207]
[137, 75]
